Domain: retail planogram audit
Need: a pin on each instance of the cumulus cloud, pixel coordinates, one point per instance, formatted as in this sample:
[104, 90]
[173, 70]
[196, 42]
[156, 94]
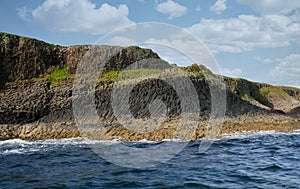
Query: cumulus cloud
[287, 71]
[265, 60]
[24, 13]
[247, 31]
[188, 51]
[219, 6]
[189, 47]
[171, 8]
[121, 41]
[231, 72]
[81, 16]
[272, 6]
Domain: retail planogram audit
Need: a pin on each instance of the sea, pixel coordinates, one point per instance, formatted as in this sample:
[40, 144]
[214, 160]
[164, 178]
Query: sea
[242, 160]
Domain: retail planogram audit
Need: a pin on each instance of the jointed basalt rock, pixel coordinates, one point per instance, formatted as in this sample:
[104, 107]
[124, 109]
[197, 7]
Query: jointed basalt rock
[31, 106]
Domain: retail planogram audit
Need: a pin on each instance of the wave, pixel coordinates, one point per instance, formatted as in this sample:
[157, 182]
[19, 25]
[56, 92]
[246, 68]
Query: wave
[247, 134]
[295, 132]
[19, 146]
[62, 141]
[79, 140]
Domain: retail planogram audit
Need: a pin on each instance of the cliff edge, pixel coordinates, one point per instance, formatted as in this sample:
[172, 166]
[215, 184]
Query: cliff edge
[36, 83]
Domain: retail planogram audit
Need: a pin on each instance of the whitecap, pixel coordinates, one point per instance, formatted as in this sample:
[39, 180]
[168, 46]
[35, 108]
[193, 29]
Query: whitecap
[246, 134]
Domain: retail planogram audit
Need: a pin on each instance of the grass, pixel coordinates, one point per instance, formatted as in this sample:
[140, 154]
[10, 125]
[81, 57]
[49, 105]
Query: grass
[128, 74]
[53, 45]
[134, 47]
[58, 73]
[266, 90]
[29, 38]
[55, 74]
[109, 76]
[195, 68]
[136, 73]
[246, 96]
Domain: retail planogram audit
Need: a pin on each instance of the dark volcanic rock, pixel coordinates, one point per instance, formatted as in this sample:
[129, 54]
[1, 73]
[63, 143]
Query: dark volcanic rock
[31, 106]
[25, 58]
[24, 101]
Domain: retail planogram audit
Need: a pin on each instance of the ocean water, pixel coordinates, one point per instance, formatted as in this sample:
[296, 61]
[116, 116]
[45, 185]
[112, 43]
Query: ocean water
[260, 160]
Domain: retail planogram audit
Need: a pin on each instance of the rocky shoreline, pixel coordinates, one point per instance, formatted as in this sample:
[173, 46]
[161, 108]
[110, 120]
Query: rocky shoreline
[37, 85]
[61, 124]
[50, 108]
[251, 123]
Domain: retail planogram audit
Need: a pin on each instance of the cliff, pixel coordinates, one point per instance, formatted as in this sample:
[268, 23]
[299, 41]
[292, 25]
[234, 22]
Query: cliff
[37, 81]
[275, 98]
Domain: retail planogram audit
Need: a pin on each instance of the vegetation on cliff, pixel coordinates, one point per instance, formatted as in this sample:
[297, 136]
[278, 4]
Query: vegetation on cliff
[276, 98]
[36, 80]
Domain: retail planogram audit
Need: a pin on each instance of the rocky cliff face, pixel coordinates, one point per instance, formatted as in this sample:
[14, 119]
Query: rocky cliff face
[24, 58]
[29, 99]
[276, 98]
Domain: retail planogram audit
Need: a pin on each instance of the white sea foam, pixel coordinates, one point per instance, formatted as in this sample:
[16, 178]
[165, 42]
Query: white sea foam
[174, 140]
[19, 146]
[245, 134]
[296, 132]
[13, 141]
[63, 141]
[19, 151]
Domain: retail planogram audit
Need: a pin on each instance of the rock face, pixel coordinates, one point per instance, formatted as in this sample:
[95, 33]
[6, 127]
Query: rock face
[276, 98]
[24, 58]
[24, 102]
[31, 106]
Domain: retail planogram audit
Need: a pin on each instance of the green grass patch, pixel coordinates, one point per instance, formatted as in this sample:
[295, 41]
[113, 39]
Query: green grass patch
[53, 45]
[136, 73]
[110, 76]
[56, 74]
[134, 47]
[266, 90]
[199, 69]
[128, 74]
[246, 96]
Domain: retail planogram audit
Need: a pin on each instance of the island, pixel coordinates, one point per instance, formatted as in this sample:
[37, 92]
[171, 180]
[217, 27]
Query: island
[37, 79]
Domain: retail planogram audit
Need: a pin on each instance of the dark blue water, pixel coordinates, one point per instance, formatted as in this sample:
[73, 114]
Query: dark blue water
[270, 160]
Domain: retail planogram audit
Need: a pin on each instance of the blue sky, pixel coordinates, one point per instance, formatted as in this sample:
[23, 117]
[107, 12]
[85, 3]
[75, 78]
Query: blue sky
[254, 39]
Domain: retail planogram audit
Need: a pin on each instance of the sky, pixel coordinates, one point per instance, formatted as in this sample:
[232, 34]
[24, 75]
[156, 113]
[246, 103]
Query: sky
[254, 39]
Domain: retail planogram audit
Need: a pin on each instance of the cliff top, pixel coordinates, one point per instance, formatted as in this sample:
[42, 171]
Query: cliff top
[23, 58]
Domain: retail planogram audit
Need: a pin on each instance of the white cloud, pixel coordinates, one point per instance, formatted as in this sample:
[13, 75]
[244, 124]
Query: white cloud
[247, 32]
[171, 8]
[24, 13]
[190, 49]
[231, 72]
[81, 16]
[169, 54]
[187, 51]
[198, 8]
[287, 71]
[272, 6]
[121, 41]
[219, 6]
[264, 60]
